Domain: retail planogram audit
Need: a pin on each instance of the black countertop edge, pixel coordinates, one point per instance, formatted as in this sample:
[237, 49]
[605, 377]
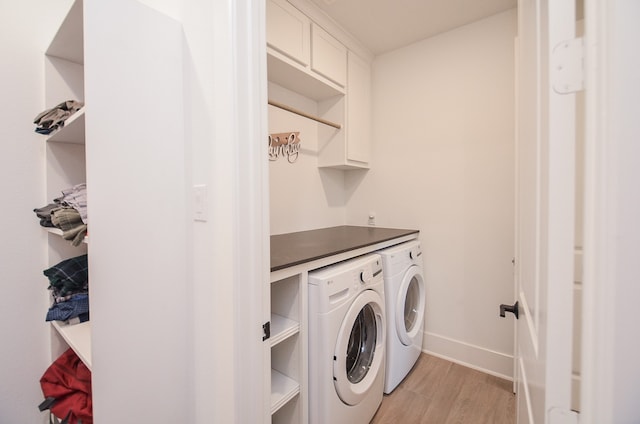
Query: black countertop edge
[297, 248]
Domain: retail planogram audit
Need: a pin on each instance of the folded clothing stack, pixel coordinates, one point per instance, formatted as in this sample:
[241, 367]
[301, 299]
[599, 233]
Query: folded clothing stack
[52, 119]
[69, 286]
[68, 213]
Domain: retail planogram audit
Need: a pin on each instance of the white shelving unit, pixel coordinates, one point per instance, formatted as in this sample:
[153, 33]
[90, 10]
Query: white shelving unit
[124, 60]
[288, 348]
[65, 159]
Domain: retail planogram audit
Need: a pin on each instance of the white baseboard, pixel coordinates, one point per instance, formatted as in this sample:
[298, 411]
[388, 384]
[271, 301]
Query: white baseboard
[475, 357]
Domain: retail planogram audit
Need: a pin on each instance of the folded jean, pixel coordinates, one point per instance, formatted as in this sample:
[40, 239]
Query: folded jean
[77, 306]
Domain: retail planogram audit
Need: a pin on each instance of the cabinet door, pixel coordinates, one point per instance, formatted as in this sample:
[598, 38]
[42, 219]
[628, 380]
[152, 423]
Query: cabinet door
[288, 30]
[328, 56]
[358, 109]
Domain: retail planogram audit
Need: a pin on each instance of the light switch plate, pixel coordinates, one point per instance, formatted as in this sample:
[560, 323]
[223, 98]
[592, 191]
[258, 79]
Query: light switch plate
[200, 200]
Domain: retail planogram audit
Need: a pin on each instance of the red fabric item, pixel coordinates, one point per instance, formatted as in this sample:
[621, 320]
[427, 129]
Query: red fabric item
[68, 380]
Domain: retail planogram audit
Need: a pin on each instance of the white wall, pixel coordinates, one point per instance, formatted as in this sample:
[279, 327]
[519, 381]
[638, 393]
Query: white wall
[25, 348]
[302, 196]
[443, 134]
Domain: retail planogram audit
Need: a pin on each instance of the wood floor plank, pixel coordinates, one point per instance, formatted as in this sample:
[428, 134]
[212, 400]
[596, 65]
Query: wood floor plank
[441, 392]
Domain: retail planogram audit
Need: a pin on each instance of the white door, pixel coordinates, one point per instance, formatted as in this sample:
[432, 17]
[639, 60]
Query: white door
[545, 211]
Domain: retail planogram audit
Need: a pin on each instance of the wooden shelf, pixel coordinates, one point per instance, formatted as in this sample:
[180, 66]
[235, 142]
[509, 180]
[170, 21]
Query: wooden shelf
[73, 130]
[282, 328]
[78, 337]
[283, 389]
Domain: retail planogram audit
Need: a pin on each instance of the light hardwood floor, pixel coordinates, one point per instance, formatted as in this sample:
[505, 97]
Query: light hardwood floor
[441, 392]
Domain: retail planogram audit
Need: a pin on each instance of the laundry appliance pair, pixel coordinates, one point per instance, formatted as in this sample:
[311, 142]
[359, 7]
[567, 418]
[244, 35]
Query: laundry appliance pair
[365, 329]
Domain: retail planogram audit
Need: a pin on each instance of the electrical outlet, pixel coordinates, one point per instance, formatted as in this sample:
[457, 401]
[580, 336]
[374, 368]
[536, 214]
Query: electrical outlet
[372, 218]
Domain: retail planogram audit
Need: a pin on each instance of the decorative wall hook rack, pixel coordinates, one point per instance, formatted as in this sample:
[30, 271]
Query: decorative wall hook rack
[284, 144]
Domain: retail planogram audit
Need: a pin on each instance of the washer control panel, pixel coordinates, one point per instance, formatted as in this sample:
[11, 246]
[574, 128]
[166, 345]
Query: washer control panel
[415, 253]
[337, 283]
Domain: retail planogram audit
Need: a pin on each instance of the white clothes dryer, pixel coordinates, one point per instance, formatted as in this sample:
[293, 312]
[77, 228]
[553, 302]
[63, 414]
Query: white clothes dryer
[405, 306]
[346, 341]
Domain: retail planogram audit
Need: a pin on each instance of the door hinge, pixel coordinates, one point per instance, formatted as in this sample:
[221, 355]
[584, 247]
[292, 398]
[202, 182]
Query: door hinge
[266, 330]
[567, 66]
[562, 416]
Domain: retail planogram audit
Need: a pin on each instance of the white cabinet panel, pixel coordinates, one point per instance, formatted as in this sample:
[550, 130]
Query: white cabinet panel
[358, 109]
[135, 160]
[328, 56]
[288, 30]
[350, 147]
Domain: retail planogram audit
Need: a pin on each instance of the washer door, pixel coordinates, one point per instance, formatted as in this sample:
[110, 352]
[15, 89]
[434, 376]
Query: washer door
[410, 305]
[359, 353]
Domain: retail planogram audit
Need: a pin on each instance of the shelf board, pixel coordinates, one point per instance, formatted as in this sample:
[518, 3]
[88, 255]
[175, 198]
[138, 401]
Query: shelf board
[73, 130]
[68, 42]
[283, 389]
[78, 337]
[58, 232]
[295, 78]
[282, 328]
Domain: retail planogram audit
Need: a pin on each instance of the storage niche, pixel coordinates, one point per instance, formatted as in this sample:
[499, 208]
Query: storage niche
[66, 158]
[288, 350]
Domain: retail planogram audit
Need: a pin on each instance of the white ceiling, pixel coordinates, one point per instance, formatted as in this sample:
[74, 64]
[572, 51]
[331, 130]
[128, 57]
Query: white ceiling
[384, 25]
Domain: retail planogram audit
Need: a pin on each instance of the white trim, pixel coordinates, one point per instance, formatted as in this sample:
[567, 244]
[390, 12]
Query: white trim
[251, 222]
[471, 356]
[611, 377]
[596, 389]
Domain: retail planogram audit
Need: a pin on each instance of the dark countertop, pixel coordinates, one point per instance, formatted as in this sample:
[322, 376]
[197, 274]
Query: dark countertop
[305, 246]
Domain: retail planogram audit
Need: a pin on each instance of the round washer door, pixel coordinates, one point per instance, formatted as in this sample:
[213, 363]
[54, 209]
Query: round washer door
[410, 305]
[359, 354]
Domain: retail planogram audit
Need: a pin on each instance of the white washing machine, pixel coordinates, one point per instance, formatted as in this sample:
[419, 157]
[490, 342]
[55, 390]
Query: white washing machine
[405, 306]
[346, 341]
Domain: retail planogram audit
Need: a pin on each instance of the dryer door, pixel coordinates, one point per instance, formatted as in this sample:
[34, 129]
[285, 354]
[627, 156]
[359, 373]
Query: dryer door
[359, 354]
[410, 305]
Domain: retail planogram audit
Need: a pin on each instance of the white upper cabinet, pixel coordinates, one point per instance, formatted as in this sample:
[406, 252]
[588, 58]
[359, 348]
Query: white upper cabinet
[328, 56]
[294, 61]
[288, 31]
[307, 55]
[358, 110]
